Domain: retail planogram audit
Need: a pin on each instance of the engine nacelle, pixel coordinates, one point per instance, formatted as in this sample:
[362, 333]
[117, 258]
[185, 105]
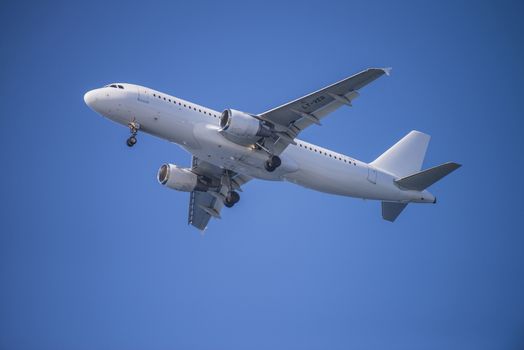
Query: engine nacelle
[243, 125]
[180, 179]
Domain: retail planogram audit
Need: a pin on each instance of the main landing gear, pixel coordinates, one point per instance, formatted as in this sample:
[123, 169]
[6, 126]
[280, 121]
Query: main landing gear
[133, 127]
[231, 199]
[272, 163]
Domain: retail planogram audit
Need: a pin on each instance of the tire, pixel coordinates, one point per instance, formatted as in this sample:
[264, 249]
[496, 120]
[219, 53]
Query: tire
[276, 161]
[231, 199]
[272, 163]
[234, 197]
[269, 167]
[131, 141]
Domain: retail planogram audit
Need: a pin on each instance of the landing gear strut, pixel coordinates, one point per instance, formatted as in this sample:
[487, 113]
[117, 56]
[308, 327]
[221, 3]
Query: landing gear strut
[133, 127]
[231, 199]
[272, 163]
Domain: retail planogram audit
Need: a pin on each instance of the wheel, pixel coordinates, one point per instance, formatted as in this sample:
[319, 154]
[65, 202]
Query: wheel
[268, 166]
[235, 197]
[276, 161]
[272, 163]
[231, 199]
[131, 141]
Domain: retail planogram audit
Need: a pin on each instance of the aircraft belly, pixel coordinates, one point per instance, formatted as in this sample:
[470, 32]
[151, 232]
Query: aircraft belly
[327, 179]
[167, 125]
[246, 160]
[337, 177]
[310, 170]
[317, 173]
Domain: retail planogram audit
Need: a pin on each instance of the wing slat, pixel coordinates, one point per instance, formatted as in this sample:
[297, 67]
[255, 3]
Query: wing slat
[298, 114]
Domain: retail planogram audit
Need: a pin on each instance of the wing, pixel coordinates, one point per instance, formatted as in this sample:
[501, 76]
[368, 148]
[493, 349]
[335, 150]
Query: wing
[205, 205]
[293, 117]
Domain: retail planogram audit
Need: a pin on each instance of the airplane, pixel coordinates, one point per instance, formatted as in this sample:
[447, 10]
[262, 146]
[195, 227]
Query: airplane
[232, 147]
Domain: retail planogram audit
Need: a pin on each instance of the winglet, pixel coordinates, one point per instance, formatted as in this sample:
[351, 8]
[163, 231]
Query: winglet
[387, 70]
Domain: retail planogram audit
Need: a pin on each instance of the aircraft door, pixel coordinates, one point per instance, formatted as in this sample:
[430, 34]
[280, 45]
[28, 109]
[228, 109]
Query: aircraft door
[143, 95]
[372, 175]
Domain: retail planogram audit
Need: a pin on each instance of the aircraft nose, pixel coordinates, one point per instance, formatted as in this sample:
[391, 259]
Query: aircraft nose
[90, 98]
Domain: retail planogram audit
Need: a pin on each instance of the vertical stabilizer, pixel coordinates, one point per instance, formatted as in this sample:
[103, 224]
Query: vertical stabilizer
[406, 156]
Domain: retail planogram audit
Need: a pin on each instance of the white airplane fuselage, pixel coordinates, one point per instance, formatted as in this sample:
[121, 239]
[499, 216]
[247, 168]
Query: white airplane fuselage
[197, 130]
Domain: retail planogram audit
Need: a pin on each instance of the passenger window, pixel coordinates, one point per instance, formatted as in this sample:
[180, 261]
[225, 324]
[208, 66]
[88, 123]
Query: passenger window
[120, 87]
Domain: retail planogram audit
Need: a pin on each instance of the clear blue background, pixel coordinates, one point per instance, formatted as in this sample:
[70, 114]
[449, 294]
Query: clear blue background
[95, 254]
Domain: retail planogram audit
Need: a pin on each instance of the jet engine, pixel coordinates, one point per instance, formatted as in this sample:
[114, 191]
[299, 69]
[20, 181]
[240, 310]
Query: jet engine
[243, 125]
[180, 179]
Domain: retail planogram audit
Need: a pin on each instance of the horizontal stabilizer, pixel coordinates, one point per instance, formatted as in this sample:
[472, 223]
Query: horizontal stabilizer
[422, 180]
[391, 210]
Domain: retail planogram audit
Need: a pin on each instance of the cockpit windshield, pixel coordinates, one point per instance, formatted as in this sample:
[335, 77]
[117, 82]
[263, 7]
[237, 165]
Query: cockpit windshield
[116, 86]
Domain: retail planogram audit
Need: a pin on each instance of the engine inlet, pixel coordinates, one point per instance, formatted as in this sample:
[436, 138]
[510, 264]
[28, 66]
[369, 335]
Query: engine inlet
[163, 174]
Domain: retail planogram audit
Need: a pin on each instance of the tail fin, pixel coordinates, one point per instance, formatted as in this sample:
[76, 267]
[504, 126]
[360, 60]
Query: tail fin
[404, 160]
[406, 156]
[422, 180]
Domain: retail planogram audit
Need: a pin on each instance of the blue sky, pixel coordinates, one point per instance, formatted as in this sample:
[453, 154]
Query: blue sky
[95, 254]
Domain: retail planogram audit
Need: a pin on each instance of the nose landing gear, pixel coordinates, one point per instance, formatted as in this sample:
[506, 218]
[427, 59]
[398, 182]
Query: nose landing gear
[133, 127]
